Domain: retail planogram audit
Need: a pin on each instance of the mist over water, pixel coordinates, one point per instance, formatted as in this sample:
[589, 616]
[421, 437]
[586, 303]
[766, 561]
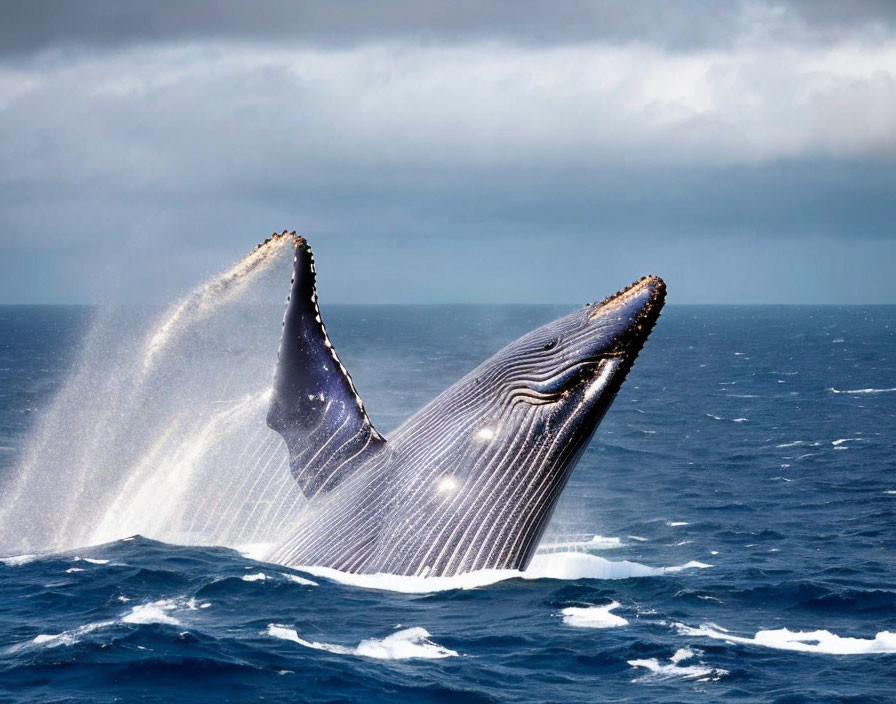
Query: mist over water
[160, 429]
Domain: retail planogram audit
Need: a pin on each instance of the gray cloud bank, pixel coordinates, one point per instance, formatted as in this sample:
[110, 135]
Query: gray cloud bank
[485, 152]
[673, 24]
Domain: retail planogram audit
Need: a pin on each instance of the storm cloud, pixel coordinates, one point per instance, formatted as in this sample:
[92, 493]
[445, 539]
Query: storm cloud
[486, 152]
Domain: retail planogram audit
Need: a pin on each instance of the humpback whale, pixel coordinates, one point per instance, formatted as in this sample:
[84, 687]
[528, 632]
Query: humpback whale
[469, 481]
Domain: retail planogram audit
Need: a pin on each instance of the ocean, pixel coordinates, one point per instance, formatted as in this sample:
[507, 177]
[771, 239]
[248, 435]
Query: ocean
[729, 534]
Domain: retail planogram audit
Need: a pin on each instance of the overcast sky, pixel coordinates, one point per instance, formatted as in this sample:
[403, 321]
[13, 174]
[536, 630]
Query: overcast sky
[466, 151]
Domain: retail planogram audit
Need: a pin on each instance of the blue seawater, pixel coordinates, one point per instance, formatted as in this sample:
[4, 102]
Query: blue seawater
[756, 441]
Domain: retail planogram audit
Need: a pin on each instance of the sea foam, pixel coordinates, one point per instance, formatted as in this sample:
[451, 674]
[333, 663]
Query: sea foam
[861, 391]
[593, 616]
[559, 565]
[406, 644]
[820, 641]
[673, 669]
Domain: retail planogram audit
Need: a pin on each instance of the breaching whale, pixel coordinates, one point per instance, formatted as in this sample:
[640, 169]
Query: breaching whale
[470, 480]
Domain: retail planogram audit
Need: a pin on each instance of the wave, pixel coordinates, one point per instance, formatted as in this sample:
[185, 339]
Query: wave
[19, 560]
[406, 644]
[674, 670]
[596, 542]
[154, 612]
[821, 641]
[91, 560]
[733, 420]
[559, 565]
[257, 577]
[142, 614]
[861, 391]
[593, 616]
[70, 637]
[799, 443]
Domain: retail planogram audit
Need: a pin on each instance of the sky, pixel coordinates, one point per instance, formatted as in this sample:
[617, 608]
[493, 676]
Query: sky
[473, 151]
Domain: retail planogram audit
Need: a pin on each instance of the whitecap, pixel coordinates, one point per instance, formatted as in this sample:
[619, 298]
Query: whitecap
[18, 560]
[406, 644]
[152, 612]
[91, 560]
[596, 542]
[839, 444]
[158, 611]
[70, 637]
[692, 565]
[558, 565]
[798, 443]
[298, 580]
[255, 551]
[593, 616]
[861, 391]
[257, 577]
[673, 669]
[820, 641]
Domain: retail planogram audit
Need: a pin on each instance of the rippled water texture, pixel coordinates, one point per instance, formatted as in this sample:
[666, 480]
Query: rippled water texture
[750, 451]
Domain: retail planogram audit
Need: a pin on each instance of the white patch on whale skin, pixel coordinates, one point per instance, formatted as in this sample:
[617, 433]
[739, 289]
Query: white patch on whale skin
[485, 434]
[447, 484]
[607, 368]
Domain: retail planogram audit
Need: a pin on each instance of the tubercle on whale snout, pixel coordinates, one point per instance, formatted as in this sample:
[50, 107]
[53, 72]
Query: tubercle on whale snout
[657, 296]
[632, 338]
[299, 240]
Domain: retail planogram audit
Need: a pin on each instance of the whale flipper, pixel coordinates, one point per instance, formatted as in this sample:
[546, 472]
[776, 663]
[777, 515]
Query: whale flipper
[314, 405]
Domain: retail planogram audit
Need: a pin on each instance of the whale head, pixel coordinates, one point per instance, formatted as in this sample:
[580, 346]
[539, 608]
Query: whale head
[470, 480]
[509, 434]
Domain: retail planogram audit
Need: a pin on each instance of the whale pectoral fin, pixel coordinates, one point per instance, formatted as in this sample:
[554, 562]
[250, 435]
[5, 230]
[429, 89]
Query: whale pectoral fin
[314, 404]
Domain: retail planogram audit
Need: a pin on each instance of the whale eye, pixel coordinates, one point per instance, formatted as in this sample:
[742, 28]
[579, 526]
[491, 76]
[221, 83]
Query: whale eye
[550, 344]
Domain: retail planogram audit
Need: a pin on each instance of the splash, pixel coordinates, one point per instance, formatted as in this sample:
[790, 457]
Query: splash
[557, 565]
[207, 298]
[160, 429]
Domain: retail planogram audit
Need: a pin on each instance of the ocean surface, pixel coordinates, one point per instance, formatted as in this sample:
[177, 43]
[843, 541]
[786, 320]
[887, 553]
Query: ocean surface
[730, 533]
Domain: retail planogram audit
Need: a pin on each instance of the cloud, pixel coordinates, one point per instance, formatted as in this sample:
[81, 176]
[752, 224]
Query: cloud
[215, 114]
[30, 27]
[175, 143]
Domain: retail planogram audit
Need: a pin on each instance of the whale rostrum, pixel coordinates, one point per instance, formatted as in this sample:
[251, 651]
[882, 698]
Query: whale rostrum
[470, 480]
